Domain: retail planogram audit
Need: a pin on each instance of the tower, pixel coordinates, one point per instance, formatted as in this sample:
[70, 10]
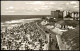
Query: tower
[57, 14]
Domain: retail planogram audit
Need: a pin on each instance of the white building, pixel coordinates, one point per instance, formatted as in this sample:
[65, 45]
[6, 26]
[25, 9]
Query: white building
[72, 15]
[65, 13]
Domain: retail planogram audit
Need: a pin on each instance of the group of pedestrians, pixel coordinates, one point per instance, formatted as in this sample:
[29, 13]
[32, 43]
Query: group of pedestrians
[23, 37]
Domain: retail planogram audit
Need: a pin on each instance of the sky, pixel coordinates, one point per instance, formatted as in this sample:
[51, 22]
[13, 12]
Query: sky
[37, 7]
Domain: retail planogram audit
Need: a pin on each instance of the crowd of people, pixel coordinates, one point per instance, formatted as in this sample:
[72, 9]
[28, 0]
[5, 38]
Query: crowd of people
[24, 37]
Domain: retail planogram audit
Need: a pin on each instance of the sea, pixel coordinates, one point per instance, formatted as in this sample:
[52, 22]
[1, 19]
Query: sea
[10, 21]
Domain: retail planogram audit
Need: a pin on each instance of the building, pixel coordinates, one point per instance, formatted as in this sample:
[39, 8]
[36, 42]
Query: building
[76, 15]
[65, 13]
[57, 14]
[68, 15]
[72, 14]
[61, 24]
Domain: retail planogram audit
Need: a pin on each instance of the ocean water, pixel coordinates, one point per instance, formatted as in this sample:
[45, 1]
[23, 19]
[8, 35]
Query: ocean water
[12, 23]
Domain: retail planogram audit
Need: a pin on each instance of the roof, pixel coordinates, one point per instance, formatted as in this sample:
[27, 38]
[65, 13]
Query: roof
[61, 22]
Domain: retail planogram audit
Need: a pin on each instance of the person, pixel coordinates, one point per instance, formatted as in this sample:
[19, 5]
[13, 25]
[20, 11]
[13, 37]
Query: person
[57, 46]
[52, 41]
[9, 44]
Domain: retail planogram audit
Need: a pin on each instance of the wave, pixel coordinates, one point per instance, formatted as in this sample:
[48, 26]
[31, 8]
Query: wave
[13, 23]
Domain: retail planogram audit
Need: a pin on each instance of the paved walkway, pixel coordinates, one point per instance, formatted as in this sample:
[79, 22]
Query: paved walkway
[60, 44]
[53, 35]
[58, 37]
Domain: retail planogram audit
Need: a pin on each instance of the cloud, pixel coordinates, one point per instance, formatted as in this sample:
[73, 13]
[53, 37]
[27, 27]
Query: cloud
[36, 7]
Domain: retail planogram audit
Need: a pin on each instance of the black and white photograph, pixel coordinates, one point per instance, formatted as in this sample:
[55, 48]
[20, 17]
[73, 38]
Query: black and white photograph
[40, 25]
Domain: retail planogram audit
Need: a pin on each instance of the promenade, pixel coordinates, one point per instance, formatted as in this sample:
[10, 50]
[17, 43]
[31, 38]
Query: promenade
[56, 35]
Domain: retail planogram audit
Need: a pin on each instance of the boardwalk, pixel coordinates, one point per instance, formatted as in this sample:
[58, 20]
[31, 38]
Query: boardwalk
[56, 35]
[52, 45]
[60, 44]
